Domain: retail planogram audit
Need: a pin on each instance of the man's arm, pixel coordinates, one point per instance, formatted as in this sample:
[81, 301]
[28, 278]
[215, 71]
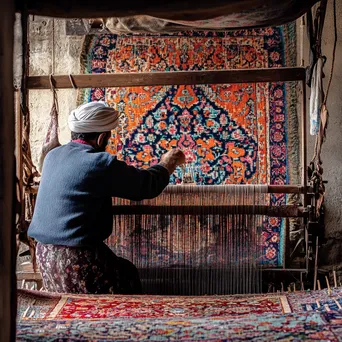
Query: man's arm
[172, 159]
[138, 184]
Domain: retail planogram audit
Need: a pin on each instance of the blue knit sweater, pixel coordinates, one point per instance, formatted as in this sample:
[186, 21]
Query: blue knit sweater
[74, 206]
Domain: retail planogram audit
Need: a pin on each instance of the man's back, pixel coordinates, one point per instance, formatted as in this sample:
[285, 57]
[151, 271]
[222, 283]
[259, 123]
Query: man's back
[73, 206]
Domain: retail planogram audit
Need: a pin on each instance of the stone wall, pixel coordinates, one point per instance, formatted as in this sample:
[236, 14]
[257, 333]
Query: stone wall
[62, 57]
[331, 153]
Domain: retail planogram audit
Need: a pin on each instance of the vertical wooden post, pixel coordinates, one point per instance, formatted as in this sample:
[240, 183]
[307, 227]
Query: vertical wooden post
[304, 168]
[18, 150]
[304, 142]
[335, 279]
[316, 264]
[7, 171]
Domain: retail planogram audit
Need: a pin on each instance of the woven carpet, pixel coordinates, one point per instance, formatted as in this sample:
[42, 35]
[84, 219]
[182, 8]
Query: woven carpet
[60, 306]
[237, 133]
[270, 327]
[106, 307]
[268, 317]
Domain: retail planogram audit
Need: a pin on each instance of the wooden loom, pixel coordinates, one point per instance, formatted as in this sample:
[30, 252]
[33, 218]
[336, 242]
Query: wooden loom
[191, 208]
[305, 212]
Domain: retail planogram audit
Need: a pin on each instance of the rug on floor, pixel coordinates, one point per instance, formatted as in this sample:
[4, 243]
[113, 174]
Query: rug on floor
[312, 326]
[266, 317]
[41, 305]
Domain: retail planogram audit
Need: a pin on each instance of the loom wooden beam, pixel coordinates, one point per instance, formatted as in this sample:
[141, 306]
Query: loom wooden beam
[173, 189]
[200, 189]
[276, 211]
[136, 79]
[28, 275]
[304, 167]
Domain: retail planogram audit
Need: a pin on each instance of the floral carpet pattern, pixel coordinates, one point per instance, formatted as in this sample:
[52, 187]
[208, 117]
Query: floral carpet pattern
[233, 133]
[167, 307]
[270, 327]
[268, 317]
[65, 306]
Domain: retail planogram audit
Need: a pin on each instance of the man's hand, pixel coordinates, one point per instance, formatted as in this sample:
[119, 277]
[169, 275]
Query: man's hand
[172, 159]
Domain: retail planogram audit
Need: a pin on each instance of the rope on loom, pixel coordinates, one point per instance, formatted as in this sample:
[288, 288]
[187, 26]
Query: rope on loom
[72, 81]
[314, 31]
[51, 139]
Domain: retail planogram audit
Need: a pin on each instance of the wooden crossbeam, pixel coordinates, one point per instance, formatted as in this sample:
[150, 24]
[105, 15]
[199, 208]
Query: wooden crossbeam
[200, 189]
[275, 211]
[28, 275]
[136, 79]
[193, 189]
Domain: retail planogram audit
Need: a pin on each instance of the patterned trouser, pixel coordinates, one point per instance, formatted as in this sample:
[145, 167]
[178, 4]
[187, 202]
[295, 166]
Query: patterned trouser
[86, 270]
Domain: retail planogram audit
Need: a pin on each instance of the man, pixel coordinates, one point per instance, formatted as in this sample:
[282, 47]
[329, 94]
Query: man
[73, 214]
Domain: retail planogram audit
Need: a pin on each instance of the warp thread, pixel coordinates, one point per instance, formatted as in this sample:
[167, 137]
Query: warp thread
[210, 252]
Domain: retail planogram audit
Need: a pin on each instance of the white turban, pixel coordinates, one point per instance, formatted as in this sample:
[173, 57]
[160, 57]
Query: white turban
[93, 117]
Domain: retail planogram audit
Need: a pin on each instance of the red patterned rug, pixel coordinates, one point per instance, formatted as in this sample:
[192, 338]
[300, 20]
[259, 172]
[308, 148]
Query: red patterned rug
[42, 305]
[313, 326]
[165, 307]
[55, 306]
[310, 315]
